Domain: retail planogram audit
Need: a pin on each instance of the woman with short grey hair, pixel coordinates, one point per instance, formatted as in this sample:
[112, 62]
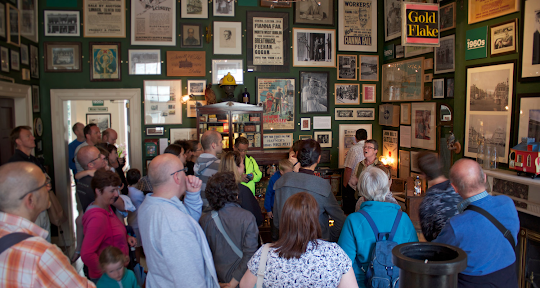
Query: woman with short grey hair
[373, 184]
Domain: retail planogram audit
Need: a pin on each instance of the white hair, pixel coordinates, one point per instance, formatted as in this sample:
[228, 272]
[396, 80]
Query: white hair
[373, 184]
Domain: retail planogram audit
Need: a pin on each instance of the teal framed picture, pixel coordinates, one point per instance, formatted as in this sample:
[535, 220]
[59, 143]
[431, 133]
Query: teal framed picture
[105, 61]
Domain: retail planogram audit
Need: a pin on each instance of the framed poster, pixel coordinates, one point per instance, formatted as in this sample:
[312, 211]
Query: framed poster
[530, 45]
[357, 26]
[480, 10]
[105, 61]
[448, 16]
[186, 63]
[196, 87]
[438, 88]
[369, 68]
[224, 8]
[489, 89]
[346, 67]
[423, 116]
[191, 107]
[405, 114]
[34, 62]
[390, 149]
[411, 51]
[162, 102]
[29, 16]
[305, 124]
[102, 120]
[192, 35]
[314, 13]
[194, 9]
[220, 68]
[389, 115]
[25, 58]
[182, 134]
[347, 94]
[35, 99]
[277, 98]
[314, 47]
[403, 81]
[267, 52]
[15, 60]
[324, 138]
[392, 16]
[144, 14]
[314, 93]
[2, 20]
[445, 55]
[13, 25]
[144, 62]
[272, 4]
[4, 56]
[63, 56]
[503, 38]
[420, 24]
[347, 138]
[284, 140]
[529, 116]
[62, 23]
[105, 18]
[369, 93]
[227, 38]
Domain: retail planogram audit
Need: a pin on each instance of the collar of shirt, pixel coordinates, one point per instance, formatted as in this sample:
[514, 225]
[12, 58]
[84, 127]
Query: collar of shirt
[463, 204]
[306, 171]
[173, 201]
[13, 223]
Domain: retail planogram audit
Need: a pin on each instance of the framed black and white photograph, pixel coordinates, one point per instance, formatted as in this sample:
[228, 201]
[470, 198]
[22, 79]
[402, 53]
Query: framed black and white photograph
[24, 55]
[63, 56]
[224, 8]
[2, 20]
[34, 61]
[530, 61]
[438, 88]
[445, 55]
[13, 25]
[344, 114]
[324, 138]
[392, 16]
[450, 87]
[357, 25]
[228, 38]
[35, 99]
[364, 114]
[221, 67]
[192, 35]
[144, 62]
[314, 47]
[62, 23]
[194, 9]
[347, 67]
[503, 38]
[155, 131]
[15, 60]
[304, 137]
[400, 51]
[274, 4]
[428, 77]
[529, 116]
[369, 68]
[102, 120]
[305, 124]
[314, 92]
[424, 128]
[347, 94]
[411, 51]
[29, 19]
[4, 56]
[448, 17]
[196, 87]
[314, 12]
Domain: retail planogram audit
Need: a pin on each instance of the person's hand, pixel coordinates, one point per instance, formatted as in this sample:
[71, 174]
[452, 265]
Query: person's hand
[270, 215]
[245, 178]
[132, 241]
[75, 256]
[353, 181]
[193, 184]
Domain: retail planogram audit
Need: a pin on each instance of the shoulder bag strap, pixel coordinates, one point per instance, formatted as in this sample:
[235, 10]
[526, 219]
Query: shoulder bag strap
[506, 233]
[372, 224]
[205, 167]
[219, 225]
[262, 265]
[12, 239]
[396, 223]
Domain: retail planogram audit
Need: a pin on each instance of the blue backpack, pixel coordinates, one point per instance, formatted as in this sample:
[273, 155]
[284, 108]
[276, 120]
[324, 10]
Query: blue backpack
[381, 272]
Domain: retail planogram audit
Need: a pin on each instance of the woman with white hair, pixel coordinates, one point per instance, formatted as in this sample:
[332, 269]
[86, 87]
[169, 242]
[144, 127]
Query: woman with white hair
[357, 237]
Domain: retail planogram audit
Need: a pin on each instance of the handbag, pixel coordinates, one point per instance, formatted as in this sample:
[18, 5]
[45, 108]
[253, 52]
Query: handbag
[55, 211]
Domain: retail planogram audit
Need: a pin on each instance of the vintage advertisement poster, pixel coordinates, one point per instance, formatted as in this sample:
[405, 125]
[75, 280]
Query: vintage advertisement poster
[420, 24]
[390, 150]
[104, 18]
[105, 61]
[481, 10]
[186, 63]
[278, 140]
[153, 22]
[277, 97]
[267, 41]
[358, 25]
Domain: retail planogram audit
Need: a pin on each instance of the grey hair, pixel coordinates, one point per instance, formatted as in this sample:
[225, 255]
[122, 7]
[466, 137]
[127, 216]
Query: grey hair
[373, 184]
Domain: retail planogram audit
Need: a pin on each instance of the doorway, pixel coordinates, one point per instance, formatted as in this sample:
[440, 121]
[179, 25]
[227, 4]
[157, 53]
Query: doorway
[7, 123]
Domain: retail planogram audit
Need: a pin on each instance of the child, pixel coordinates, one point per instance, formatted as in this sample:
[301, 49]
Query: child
[285, 166]
[115, 274]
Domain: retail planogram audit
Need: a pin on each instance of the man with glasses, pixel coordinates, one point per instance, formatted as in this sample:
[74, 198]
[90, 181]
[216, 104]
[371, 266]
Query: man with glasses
[241, 145]
[176, 249]
[93, 137]
[30, 261]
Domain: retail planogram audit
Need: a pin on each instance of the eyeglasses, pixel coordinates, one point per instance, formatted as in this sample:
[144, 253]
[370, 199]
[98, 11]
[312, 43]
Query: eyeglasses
[47, 182]
[99, 157]
[183, 169]
[369, 147]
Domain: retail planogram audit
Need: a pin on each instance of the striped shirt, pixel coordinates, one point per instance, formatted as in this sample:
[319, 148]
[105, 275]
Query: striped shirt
[34, 262]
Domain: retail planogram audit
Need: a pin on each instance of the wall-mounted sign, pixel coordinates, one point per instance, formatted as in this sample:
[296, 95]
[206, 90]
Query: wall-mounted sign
[420, 24]
[476, 43]
[98, 102]
[98, 109]
[389, 52]
[278, 140]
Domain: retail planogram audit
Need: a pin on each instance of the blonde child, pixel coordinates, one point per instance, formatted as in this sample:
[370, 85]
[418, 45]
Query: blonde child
[112, 262]
[285, 166]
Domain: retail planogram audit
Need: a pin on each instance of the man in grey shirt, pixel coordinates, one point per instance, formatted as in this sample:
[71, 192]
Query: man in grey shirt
[208, 163]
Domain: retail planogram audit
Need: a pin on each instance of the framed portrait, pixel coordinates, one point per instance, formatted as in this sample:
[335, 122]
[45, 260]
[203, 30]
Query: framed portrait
[102, 120]
[484, 10]
[154, 22]
[305, 124]
[192, 35]
[411, 51]
[438, 88]
[162, 102]
[503, 38]
[346, 67]
[344, 114]
[369, 68]
[105, 61]
[403, 80]
[182, 134]
[194, 9]
[35, 99]
[314, 93]
[192, 107]
[450, 87]
[144, 62]
[392, 16]
[284, 140]
[24, 55]
[15, 60]
[324, 138]
[369, 93]
[223, 8]
[278, 102]
[405, 115]
[4, 56]
[2, 20]
[106, 19]
[196, 87]
[186, 63]
[304, 137]
[347, 94]
[314, 13]
[62, 23]
[221, 67]
[314, 47]
[530, 43]
[13, 25]
[347, 138]
[357, 25]
[25, 73]
[424, 126]
[428, 64]
[155, 131]
[34, 62]
[529, 116]
[63, 56]
[227, 38]
[272, 4]
[445, 55]
[268, 41]
[29, 19]
[447, 17]
[400, 51]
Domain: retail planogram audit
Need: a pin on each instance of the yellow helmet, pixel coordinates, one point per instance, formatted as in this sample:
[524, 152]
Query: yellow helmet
[227, 80]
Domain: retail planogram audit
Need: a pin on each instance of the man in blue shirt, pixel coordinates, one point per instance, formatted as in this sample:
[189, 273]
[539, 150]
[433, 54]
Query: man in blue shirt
[78, 131]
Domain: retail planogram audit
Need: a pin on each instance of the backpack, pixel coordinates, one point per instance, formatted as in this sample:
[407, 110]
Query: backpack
[381, 272]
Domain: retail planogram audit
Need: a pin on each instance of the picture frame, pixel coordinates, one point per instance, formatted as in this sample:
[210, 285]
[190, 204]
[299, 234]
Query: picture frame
[326, 156]
[102, 120]
[24, 55]
[227, 37]
[369, 93]
[447, 17]
[428, 92]
[322, 122]
[63, 56]
[34, 62]
[143, 13]
[196, 87]
[400, 51]
[347, 139]
[346, 67]
[29, 19]
[424, 125]
[38, 126]
[324, 138]
[405, 115]
[389, 115]
[392, 14]
[369, 68]
[2, 20]
[529, 109]
[105, 61]
[428, 77]
[191, 107]
[305, 124]
[489, 118]
[311, 47]
[445, 116]
[314, 91]
[4, 56]
[428, 64]
[186, 63]
[272, 141]
[503, 38]
[192, 35]
[400, 76]
[277, 96]
[272, 4]
[404, 163]
[36, 107]
[223, 8]
[306, 13]
[438, 88]
[162, 102]
[13, 25]
[449, 87]
[151, 147]
[443, 62]
[197, 9]
[357, 114]
[155, 131]
[304, 137]
[221, 67]
[15, 60]
[25, 74]
[105, 22]
[62, 23]
[481, 11]
[389, 52]
[144, 61]
[530, 61]
[411, 51]
[182, 134]
[346, 94]
[357, 27]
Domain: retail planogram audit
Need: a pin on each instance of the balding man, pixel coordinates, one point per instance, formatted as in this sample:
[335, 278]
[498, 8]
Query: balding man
[78, 130]
[90, 159]
[175, 246]
[109, 136]
[490, 255]
[92, 136]
[208, 163]
[30, 262]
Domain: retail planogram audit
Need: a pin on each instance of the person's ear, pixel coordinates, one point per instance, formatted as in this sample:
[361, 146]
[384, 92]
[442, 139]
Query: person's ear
[18, 142]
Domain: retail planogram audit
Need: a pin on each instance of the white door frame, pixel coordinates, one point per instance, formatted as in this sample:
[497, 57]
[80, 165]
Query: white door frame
[22, 98]
[59, 97]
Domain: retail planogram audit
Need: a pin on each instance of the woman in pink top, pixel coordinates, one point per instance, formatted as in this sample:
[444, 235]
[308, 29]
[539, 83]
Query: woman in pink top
[100, 225]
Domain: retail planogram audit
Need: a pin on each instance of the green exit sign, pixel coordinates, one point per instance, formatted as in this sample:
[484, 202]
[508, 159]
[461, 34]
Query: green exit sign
[97, 102]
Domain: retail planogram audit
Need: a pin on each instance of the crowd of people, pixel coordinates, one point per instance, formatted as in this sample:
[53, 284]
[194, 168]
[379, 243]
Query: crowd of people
[195, 220]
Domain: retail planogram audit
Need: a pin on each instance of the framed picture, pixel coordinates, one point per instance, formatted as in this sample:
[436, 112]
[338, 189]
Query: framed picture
[25, 73]
[34, 61]
[369, 93]
[182, 134]
[446, 115]
[192, 107]
[162, 102]
[305, 124]
[400, 51]
[450, 87]
[324, 138]
[357, 25]
[144, 62]
[220, 68]
[389, 115]
[106, 19]
[29, 16]
[63, 56]
[347, 94]
[423, 116]
[448, 17]
[24, 55]
[314, 47]
[15, 60]
[326, 156]
[13, 25]
[155, 131]
[314, 13]
[503, 38]
[194, 9]
[364, 114]
[530, 43]
[428, 92]
[358, 114]
[481, 10]
[284, 140]
[186, 63]
[223, 8]
[35, 99]
[344, 114]
[388, 52]
[4, 56]
[273, 28]
[346, 67]
[314, 93]
[105, 61]
[445, 55]
[369, 68]
[403, 81]
[405, 115]
[151, 148]
[228, 37]
[347, 138]
[404, 163]
[278, 102]
[62, 23]
[438, 88]
[102, 120]
[154, 22]
[411, 51]
[428, 64]
[38, 126]
[529, 116]
[428, 77]
[196, 87]
[304, 137]
[192, 35]
[2, 20]
[489, 108]
[392, 16]
[272, 4]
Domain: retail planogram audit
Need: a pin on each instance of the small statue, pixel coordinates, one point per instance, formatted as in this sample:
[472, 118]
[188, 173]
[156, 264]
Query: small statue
[209, 95]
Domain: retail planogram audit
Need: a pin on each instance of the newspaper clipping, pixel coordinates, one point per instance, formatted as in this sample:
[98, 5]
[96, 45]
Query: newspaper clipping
[153, 23]
[357, 23]
[267, 41]
[104, 18]
[278, 140]
[277, 96]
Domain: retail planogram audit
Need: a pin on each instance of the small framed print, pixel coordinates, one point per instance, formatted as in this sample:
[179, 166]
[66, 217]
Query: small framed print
[428, 64]
[196, 87]
[194, 9]
[191, 107]
[105, 61]
[405, 118]
[369, 93]
[155, 131]
[428, 77]
[144, 62]
[191, 35]
[275, 4]
[450, 87]
[359, 114]
[313, 13]
[428, 93]
[344, 114]
[15, 61]
[221, 67]
[228, 38]
[369, 68]
[63, 56]
[35, 99]
[423, 116]
[62, 23]
[347, 67]
[400, 51]
[4, 56]
[445, 55]
[2, 20]
[13, 25]
[25, 74]
[448, 17]
[34, 62]
[305, 124]
[304, 137]
[224, 8]
[24, 55]
[324, 138]
[314, 47]
[438, 88]
[503, 38]
[347, 94]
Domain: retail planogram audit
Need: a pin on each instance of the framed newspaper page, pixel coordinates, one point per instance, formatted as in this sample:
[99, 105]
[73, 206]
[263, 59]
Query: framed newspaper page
[358, 25]
[153, 23]
[268, 52]
[104, 18]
